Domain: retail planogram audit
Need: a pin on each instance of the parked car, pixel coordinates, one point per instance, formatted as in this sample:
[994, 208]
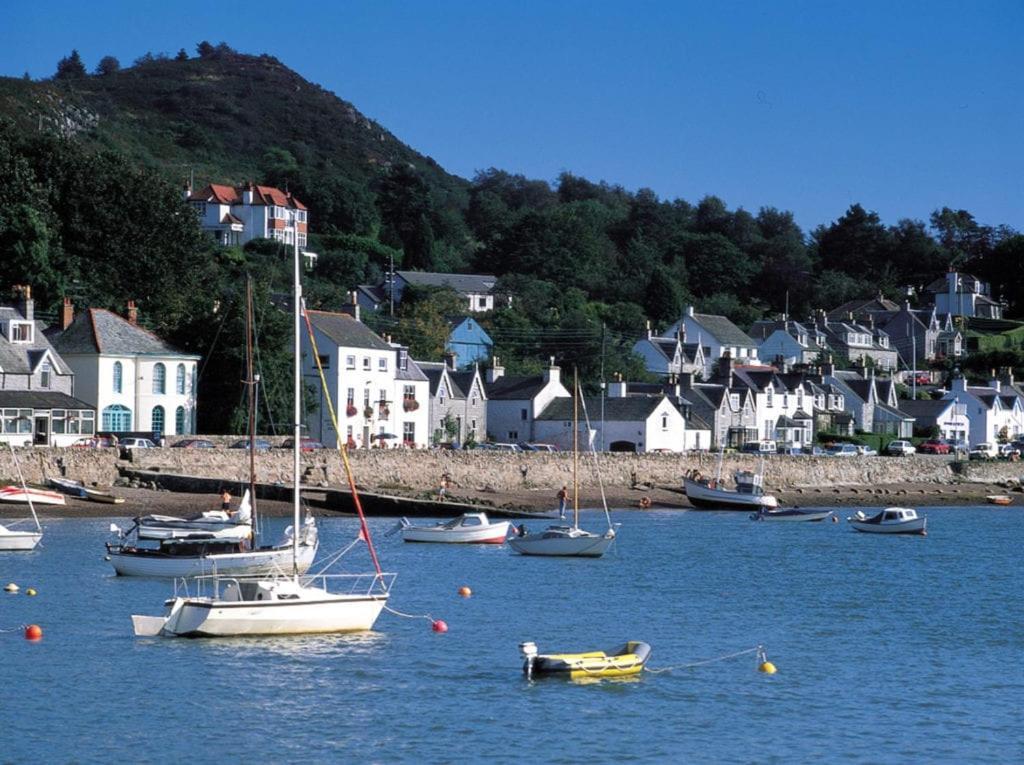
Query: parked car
[922, 378]
[260, 444]
[934, 446]
[305, 445]
[532, 447]
[815, 451]
[759, 447]
[843, 450]
[136, 443]
[193, 443]
[1009, 450]
[983, 451]
[900, 448]
[866, 451]
[499, 447]
[92, 442]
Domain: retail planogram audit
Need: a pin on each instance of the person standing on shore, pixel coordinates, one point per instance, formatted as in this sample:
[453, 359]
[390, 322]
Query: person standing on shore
[563, 499]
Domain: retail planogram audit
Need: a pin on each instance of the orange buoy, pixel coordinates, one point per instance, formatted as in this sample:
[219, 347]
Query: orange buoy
[465, 591]
[645, 503]
[439, 625]
[33, 632]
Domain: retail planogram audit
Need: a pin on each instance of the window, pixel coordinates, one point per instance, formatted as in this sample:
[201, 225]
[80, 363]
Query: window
[159, 378]
[86, 422]
[383, 400]
[58, 421]
[481, 303]
[118, 376]
[366, 397]
[382, 364]
[408, 392]
[403, 359]
[785, 401]
[366, 363]
[179, 421]
[117, 419]
[664, 422]
[523, 414]
[350, 362]
[157, 419]
[325, 361]
[17, 420]
[350, 397]
[770, 394]
[409, 432]
[734, 401]
[44, 376]
[302, 239]
[21, 332]
[473, 400]
[179, 381]
[513, 435]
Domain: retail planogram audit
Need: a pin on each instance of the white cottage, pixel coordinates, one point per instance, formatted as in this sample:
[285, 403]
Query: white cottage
[629, 424]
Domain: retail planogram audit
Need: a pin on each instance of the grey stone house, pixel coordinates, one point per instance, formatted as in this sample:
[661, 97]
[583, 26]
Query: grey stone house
[457, 403]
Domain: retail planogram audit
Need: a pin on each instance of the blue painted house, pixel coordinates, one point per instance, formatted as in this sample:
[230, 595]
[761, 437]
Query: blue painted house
[468, 341]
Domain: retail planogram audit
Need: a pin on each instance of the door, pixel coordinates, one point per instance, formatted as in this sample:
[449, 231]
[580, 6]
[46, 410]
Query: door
[366, 436]
[41, 433]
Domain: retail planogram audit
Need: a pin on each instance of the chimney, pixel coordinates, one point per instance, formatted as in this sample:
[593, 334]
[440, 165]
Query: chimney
[959, 384]
[650, 334]
[449, 360]
[686, 380]
[1006, 376]
[27, 303]
[495, 371]
[352, 306]
[133, 313]
[552, 373]
[994, 382]
[67, 314]
[617, 389]
[689, 310]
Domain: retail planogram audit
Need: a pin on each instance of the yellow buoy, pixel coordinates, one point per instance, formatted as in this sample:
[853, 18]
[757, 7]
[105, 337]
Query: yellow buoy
[30, 591]
[767, 667]
[12, 587]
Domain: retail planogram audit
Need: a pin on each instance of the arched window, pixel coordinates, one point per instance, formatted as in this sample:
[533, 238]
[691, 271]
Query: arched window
[117, 419]
[179, 381]
[118, 376]
[179, 420]
[159, 378]
[157, 421]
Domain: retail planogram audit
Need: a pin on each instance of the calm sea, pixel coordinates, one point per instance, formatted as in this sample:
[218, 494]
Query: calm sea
[888, 649]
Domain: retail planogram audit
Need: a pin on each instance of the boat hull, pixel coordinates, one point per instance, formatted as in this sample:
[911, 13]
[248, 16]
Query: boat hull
[19, 541]
[790, 515]
[494, 534]
[625, 662]
[916, 526]
[583, 545]
[38, 496]
[204, 617]
[155, 564]
[67, 486]
[700, 495]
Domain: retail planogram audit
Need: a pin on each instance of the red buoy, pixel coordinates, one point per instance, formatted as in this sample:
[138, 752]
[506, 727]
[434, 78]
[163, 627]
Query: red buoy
[33, 632]
[439, 626]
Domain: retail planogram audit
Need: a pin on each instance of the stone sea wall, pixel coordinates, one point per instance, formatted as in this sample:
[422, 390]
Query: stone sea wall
[419, 470]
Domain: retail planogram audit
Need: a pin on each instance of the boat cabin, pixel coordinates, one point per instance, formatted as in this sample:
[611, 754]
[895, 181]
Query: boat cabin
[898, 514]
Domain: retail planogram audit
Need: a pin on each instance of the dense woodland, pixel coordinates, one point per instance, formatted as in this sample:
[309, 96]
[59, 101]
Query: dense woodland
[92, 207]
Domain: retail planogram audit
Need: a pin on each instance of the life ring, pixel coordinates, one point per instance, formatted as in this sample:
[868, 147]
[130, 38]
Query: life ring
[645, 503]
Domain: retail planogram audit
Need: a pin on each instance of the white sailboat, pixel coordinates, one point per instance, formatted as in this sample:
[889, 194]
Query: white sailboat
[564, 540]
[285, 604]
[12, 539]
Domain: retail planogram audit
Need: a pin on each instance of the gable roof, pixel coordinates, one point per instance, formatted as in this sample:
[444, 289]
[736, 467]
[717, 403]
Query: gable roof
[723, 330]
[435, 372]
[232, 195]
[23, 358]
[97, 330]
[861, 308]
[346, 332]
[628, 409]
[515, 388]
[464, 381]
[462, 283]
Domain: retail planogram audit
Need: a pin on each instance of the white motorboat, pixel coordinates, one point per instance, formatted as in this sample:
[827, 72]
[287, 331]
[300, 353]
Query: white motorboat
[11, 539]
[811, 515]
[468, 528]
[26, 494]
[219, 524]
[565, 540]
[891, 520]
[288, 603]
[748, 493]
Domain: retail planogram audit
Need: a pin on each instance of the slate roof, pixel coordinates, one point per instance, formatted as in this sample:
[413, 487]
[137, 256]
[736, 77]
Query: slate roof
[97, 330]
[723, 330]
[629, 409]
[861, 388]
[346, 332]
[412, 371]
[25, 399]
[861, 307]
[434, 372]
[464, 381]
[463, 283]
[514, 388]
[375, 294]
[22, 358]
[667, 346]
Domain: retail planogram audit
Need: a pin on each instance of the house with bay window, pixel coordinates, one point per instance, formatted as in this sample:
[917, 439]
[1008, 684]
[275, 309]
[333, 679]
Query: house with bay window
[379, 394]
[235, 215]
[37, 402]
[137, 382]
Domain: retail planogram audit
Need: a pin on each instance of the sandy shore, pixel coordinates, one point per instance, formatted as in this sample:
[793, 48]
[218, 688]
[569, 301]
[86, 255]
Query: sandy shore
[145, 501]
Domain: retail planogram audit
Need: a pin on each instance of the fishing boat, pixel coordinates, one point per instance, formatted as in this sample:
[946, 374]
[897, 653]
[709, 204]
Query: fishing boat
[143, 551]
[12, 539]
[812, 515]
[999, 499]
[285, 603]
[747, 494]
[891, 520]
[565, 540]
[28, 494]
[468, 528]
[626, 660]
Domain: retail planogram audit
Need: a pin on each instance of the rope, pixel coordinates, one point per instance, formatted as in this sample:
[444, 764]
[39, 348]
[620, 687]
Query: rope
[13, 629]
[390, 610]
[338, 555]
[756, 649]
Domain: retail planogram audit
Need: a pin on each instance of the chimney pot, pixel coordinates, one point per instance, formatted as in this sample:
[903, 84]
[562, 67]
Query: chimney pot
[67, 313]
[133, 313]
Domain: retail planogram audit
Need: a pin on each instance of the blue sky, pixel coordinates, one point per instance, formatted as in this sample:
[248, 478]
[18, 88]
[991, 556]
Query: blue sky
[811, 106]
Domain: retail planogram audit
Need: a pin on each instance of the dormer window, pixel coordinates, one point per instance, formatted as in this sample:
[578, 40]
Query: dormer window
[734, 401]
[21, 332]
[44, 376]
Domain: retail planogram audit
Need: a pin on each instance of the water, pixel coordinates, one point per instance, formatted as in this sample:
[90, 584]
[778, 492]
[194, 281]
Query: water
[889, 649]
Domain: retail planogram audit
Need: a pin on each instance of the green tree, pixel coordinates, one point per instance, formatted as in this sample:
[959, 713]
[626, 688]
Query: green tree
[108, 65]
[405, 210]
[70, 67]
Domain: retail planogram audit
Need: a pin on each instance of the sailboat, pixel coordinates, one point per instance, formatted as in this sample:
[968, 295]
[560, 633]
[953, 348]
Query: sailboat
[282, 604]
[214, 542]
[13, 539]
[570, 541]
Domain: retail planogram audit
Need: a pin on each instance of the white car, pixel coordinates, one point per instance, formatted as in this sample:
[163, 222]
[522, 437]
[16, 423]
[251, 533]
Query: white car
[136, 443]
[843, 450]
[983, 451]
[866, 451]
[900, 448]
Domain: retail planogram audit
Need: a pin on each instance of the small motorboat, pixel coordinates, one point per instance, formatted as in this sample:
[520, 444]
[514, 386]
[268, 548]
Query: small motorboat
[711, 493]
[38, 496]
[999, 499]
[812, 515]
[67, 486]
[891, 520]
[628, 659]
[98, 495]
[468, 528]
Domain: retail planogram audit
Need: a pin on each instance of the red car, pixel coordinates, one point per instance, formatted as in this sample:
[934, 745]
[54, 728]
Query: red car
[935, 446]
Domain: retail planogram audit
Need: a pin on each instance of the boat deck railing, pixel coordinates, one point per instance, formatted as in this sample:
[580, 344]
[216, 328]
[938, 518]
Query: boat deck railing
[211, 585]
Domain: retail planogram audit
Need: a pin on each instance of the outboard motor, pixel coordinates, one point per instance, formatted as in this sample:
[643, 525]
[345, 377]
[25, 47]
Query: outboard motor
[529, 652]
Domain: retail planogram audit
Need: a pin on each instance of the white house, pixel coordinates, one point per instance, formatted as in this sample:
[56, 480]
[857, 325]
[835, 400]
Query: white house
[670, 355]
[959, 294]
[788, 341]
[948, 415]
[379, 394]
[514, 403]
[136, 381]
[476, 289]
[991, 417]
[784, 404]
[238, 214]
[36, 385]
[629, 424]
[717, 335]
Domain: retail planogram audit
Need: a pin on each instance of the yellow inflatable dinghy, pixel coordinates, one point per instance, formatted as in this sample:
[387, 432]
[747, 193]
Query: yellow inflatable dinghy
[628, 659]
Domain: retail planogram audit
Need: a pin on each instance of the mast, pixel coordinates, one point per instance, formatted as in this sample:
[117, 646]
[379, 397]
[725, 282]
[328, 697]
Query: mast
[250, 382]
[575, 449]
[297, 402]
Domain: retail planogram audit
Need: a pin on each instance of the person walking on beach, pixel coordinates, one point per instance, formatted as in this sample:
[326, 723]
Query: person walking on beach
[442, 490]
[563, 499]
[225, 500]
